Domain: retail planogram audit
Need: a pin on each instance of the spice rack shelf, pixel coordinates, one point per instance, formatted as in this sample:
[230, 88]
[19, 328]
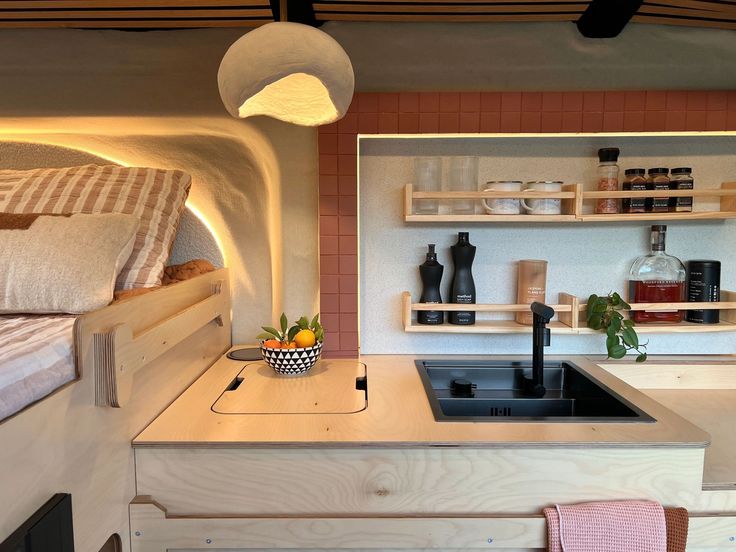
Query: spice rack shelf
[573, 201]
[571, 317]
[567, 317]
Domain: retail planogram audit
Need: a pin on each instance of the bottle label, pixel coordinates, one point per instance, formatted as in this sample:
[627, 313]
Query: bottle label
[464, 298]
[684, 203]
[661, 204]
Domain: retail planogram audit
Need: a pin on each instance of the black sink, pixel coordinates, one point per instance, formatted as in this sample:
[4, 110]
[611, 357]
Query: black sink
[493, 391]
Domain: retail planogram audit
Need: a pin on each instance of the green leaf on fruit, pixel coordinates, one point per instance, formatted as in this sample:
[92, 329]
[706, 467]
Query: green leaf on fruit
[284, 322]
[273, 331]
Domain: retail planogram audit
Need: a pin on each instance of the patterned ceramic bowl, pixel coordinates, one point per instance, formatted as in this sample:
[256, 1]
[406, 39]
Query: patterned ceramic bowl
[292, 362]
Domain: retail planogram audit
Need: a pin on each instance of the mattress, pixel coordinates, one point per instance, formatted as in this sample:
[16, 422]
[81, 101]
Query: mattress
[36, 357]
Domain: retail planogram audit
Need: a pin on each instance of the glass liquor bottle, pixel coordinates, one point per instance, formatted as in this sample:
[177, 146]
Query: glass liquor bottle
[657, 278]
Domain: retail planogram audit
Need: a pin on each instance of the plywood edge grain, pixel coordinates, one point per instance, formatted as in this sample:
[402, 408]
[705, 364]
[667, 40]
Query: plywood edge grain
[153, 531]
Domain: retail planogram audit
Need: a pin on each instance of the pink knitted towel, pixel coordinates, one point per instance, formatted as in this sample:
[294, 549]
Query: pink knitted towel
[621, 526]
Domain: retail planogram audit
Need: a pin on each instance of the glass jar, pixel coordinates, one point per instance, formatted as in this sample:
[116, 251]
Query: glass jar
[658, 180]
[636, 181]
[463, 177]
[682, 179]
[607, 180]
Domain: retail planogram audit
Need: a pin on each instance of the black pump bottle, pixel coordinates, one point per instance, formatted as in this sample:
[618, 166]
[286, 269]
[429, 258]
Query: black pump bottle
[431, 273]
[463, 286]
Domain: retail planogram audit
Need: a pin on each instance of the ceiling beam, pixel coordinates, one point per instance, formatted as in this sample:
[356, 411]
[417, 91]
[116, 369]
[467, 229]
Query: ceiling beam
[296, 11]
[607, 18]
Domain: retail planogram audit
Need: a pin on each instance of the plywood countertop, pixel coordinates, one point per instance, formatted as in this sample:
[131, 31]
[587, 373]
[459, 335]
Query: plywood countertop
[398, 414]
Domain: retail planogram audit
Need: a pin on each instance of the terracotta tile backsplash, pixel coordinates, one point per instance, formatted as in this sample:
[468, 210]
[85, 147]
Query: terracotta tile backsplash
[469, 112]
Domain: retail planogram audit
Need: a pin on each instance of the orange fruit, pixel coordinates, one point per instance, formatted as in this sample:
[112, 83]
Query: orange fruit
[289, 345]
[305, 338]
[272, 344]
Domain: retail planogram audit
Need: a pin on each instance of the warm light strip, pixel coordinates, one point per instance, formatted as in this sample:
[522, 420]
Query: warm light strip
[197, 213]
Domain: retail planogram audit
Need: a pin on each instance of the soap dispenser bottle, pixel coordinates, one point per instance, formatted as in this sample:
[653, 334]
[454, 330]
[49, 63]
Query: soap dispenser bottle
[431, 273]
[463, 286]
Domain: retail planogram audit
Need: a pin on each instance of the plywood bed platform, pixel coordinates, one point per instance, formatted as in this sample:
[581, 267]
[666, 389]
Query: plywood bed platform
[135, 356]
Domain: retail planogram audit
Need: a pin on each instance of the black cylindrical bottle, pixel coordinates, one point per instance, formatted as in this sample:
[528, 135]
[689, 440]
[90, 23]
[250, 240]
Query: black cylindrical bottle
[463, 286]
[703, 286]
[431, 273]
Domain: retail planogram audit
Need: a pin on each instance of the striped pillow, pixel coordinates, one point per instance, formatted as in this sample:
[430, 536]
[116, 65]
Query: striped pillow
[155, 196]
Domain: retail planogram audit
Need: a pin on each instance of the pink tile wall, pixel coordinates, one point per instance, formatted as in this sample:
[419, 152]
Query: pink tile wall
[467, 112]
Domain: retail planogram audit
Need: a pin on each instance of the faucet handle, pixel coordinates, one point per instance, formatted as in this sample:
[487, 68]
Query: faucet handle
[544, 311]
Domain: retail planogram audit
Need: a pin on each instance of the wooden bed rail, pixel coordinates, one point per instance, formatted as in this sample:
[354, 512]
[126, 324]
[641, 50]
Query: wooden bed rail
[119, 340]
[152, 530]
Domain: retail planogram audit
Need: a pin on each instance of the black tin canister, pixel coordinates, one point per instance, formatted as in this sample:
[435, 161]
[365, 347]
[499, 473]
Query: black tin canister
[703, 286]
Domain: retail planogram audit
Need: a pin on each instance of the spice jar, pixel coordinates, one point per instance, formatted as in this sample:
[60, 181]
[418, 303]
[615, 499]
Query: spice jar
[607, 180]
[635, 181]
[658, 180]
[682, 179]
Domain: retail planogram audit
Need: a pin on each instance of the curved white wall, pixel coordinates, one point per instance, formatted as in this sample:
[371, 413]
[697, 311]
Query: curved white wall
[151, 99]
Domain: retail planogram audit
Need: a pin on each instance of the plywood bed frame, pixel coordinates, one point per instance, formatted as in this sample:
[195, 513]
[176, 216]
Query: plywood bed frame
[134, 358]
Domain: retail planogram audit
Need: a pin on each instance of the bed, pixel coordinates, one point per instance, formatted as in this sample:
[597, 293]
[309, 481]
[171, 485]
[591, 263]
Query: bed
[76, 388]
[36, 358]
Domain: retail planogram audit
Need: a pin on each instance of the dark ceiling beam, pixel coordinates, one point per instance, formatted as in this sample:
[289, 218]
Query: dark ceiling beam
[607, 18]
[297, 11]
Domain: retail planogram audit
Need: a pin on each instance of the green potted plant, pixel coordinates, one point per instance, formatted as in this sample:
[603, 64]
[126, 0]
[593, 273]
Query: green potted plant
[604, 314]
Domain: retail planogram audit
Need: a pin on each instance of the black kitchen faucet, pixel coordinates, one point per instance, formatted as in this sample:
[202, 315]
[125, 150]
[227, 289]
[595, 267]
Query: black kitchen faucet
[541, 315]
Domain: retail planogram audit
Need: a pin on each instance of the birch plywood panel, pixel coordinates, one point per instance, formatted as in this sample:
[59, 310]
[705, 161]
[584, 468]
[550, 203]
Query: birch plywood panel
[329, 387]
[714, 411]
[155, 532]
[65, 442]
[456, 481]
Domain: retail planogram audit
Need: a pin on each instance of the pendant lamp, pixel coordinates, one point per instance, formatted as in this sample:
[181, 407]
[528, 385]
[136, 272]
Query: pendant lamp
[289, 71]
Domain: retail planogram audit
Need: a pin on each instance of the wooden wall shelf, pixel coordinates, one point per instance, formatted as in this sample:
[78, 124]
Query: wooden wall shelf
[575, 205]
[571, 317]
[567, 314]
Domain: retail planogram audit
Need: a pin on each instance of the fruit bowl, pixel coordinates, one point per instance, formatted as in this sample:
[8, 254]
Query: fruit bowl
[291, 362]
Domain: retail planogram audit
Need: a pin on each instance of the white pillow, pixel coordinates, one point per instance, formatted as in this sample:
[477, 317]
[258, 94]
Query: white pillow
[54, 264]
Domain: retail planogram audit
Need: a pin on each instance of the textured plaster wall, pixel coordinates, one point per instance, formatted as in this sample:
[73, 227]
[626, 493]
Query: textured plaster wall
[151, 99]
[397, 57]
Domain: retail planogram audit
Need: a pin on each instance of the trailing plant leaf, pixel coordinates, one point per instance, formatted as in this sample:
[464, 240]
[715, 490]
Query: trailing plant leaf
[604, 313]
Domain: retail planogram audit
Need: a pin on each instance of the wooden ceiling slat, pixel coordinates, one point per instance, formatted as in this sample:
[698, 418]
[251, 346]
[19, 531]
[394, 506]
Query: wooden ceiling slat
[149, 14]
[132, 4]
[137, 24]
[435, 2]
[435, 9]
[696, 5]
[456, 18]
[687, 22]
[686, 13]
[251, 13]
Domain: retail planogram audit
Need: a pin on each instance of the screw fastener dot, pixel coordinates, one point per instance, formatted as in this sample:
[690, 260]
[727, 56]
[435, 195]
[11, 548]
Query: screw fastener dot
[137, 533]
[490, 540]
[208, 541]
[732, 539]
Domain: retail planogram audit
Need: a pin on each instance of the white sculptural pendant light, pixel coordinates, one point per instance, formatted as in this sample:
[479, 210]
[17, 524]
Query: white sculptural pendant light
[288, 71]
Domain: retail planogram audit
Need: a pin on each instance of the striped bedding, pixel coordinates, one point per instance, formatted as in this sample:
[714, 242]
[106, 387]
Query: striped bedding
[155, 196]
[36, 357]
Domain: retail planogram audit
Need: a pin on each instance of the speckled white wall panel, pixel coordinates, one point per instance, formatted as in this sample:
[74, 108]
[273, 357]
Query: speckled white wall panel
[583, 258]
